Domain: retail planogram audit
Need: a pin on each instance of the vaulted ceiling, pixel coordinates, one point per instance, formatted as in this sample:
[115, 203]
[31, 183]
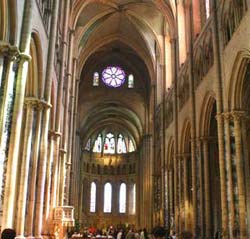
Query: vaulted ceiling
[129, 34]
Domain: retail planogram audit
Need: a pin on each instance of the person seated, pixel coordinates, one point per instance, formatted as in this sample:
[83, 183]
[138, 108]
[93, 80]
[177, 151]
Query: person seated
[8, 233]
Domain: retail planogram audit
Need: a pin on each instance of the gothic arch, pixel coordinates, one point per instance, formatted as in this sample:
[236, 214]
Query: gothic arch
[170, 154]
[185, 137]
[35, 70]
[235, 92]
[207, 107]
[8, 20]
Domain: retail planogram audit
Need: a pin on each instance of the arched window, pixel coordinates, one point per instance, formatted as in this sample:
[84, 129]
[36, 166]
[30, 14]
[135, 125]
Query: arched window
[121, 146]
[96, 79]
[109, 144]
[122, 198]
[87, 147]
[134, 200]
[98, 145]
[131, 147]
[107, 198]
[207, 6]
[130, 81]
[93, 197]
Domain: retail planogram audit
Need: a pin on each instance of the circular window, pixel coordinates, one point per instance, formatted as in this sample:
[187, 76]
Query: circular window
[113, 76]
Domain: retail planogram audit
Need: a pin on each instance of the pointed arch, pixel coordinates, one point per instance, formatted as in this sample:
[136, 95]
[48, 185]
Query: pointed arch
[170, 154]
[185, 137]
[34, 81]
[205, 116]
[235, 92]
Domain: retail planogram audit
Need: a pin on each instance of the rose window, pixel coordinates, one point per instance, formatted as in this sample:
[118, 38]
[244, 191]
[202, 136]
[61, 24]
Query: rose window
[113, 76]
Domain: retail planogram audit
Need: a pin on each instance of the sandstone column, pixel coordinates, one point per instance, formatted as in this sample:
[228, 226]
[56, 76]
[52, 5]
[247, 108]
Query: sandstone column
[41, 173]
[32, 189]
[207, 189]
[240, 173]
[13, 154]
[230, 187]
[24, 174]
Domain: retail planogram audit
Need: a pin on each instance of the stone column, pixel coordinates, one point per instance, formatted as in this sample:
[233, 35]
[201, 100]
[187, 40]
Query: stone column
[55, 169]
[171, 201]
[240, 173]
[13, 154]
[207, 189]
[180, 193]
[74, 142]
[43, 153]
[24, 173]
[62, 170]
[220, 108]
[7, 84]
[230, 186]
[244, 121]
[185, 192]
[32, 189]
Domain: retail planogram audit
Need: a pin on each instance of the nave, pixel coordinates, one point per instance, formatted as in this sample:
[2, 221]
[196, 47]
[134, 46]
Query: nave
[125, 113]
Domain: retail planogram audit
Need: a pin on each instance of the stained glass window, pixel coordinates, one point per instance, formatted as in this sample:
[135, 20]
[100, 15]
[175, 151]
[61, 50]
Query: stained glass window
[93, 197]
[109, 144]
[107, 197]
[122, 198]
[98, 145]
[87, 147]
[130, 81]
[113, 76]
[131, 147]
[121, 146]
[96, 79]
[134, 200]
[207, 8]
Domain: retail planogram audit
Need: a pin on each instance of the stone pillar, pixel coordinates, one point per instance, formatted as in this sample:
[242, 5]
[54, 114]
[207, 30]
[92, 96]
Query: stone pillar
[207, 189]
[220, 108]
[240, 173]
[41, 172]
[230, 186]
[185, 192]
[245, 121]
[61, 181]
[9, 56]
[24, 173]
[147, 181]
[32, 189]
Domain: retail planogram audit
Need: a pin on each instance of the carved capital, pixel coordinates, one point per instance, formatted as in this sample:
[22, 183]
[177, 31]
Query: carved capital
[53, 133]
[63, 151]
[30, 102]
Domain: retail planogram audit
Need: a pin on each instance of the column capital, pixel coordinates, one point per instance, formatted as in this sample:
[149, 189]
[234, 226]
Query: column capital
[238, 115]
[8, 50]
[56, 134]
[183, 155]
[30, 102]
[24, 56]
[206, 139]
[63, 150]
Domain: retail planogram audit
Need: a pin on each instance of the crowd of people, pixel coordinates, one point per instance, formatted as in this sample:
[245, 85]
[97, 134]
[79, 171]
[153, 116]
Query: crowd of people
[129, 233]
[117, 233]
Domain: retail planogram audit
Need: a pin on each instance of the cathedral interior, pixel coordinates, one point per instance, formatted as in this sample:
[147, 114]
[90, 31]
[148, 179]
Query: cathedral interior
[125, 112]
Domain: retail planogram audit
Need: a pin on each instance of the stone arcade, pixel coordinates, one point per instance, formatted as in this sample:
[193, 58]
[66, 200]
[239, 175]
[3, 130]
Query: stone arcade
[125, 112]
